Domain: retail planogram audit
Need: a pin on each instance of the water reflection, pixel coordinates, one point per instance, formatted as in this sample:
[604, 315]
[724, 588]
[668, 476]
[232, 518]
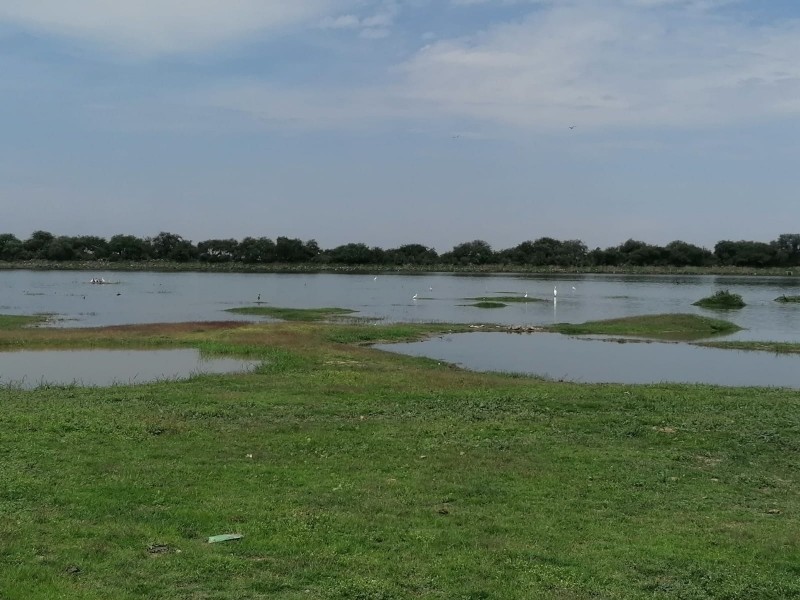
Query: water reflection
[560, 357]
[31, 369]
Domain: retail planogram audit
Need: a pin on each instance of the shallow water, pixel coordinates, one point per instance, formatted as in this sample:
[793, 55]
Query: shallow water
[173, 297]
[594, 360]
[32, 369]
[144, 297]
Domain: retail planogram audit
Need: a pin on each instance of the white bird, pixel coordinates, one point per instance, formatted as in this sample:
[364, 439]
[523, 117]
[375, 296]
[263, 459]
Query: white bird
[526, 295]
[414, 297]
[555, 292]
[375, 278]
[430, 289]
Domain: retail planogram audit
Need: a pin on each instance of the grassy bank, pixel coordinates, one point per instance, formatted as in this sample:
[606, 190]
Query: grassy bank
[292, 314]
[667, 326]
[354, 473]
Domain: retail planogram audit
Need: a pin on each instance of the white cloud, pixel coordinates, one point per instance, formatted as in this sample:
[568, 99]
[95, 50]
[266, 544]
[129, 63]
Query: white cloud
[625, 64]
[341, 22]
[152, 27]
[613, 65]
[377, 25]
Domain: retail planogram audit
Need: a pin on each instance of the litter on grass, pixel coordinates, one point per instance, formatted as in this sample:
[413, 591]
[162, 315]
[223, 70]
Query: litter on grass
[225, 537]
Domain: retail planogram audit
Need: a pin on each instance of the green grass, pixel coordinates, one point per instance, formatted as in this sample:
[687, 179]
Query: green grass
[292, 314]
[788, 299]
[723, 299]
[355, 473]
[17, 321]
[665, 326]
[488, 304]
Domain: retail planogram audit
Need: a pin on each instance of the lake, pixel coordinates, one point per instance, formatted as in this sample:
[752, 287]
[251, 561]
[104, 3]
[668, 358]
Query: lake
[138, 297]
[146, 297]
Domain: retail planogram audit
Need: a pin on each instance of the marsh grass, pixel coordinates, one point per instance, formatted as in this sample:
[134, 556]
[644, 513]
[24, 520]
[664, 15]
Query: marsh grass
[665, 326]
[17, 321]
[722, 299]
[355, 473]
[292, 314]
[488, 304]
[788, 299]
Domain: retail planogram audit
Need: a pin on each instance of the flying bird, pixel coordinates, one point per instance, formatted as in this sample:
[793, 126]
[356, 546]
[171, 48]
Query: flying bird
[572, 126]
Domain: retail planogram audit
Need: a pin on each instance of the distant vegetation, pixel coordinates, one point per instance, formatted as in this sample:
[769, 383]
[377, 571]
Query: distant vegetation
[783, 252]
[788, 299]
[721, 299]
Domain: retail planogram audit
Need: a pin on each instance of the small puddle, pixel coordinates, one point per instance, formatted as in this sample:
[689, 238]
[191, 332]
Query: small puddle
[567, 358]
[32, 369]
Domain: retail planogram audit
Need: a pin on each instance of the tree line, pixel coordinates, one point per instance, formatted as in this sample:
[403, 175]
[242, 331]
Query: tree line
[543, 252]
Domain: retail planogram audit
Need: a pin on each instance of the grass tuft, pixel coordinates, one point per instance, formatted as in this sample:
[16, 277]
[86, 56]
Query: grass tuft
[723, 299]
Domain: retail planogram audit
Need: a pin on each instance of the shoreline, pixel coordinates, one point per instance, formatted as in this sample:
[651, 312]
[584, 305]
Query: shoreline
[202, 267]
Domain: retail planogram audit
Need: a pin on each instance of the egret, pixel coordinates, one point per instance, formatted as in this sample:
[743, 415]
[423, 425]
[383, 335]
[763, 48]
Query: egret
[414, 297]
[526, 295]
[555, 292]
[375, 278]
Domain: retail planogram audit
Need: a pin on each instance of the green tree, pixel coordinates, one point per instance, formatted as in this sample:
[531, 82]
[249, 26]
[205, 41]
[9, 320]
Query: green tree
[36, 244]
[290, 250]
[128, 248]
[11, 248]
[682, 254]
[171, 246]
[216, 251]
[787, 249]
[412, 254]
[257, 250]
[89, 247]
[355, 254]
[476, 252]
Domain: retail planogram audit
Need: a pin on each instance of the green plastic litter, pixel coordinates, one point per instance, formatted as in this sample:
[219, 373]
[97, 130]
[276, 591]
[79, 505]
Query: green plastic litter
[225, 537]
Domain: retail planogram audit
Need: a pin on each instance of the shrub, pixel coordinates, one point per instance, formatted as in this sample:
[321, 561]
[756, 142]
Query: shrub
[721, 299]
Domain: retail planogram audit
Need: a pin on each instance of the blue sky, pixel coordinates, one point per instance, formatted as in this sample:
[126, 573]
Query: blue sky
[393, 122]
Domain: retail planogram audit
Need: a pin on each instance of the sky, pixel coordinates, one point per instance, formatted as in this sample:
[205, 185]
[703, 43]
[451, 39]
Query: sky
[391, 122]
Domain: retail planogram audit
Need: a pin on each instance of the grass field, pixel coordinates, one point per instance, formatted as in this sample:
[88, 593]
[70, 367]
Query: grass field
[354, 473]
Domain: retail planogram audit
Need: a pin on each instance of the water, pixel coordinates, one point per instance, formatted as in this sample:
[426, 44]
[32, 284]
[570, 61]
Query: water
[31, 369]
[596, 360]
[175, 297]
[143, 297]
